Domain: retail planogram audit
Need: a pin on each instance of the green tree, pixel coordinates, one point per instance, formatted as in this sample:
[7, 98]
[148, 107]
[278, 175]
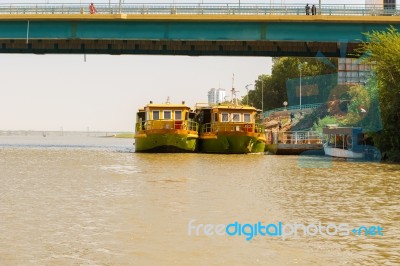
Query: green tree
[272, 88]
[383, 50]
[321, 123]
[363, 108]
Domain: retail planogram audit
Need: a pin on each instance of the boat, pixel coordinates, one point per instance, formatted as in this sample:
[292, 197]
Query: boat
[343, 142]
[166, 128]
[230, 128]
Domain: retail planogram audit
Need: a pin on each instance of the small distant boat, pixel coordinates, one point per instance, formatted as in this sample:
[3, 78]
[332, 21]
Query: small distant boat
[166, 128]
[343, 142]
[230, 128]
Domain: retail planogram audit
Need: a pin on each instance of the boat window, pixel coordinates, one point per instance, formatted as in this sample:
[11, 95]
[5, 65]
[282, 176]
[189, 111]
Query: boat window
[156, 115]
[205, 116]
[167, 115]
[215, 117]
[236, 117]
[141, 117]
[178, 115]
[360, 139]
[225, 117]
[247, 118]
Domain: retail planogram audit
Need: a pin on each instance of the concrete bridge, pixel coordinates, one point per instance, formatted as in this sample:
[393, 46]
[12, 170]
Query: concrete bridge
[189, 29]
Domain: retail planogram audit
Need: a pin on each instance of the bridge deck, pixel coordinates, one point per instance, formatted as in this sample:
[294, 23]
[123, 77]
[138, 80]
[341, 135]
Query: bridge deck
[207, 18]
[188, 34]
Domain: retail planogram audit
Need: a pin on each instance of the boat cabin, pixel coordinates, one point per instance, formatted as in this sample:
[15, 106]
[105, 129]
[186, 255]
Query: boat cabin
[228, 114]
[228, 118]
[346, 138]
[164, 116]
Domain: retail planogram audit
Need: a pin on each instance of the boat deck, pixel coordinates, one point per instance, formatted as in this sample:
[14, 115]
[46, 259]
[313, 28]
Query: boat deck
[293, 142]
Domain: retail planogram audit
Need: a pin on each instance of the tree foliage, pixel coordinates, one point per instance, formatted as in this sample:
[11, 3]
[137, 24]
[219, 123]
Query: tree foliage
[383, 50]
[321, 123]
[272, 88]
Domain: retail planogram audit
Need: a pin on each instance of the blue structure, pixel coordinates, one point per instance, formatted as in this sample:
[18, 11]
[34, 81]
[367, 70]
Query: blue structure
[315, 89]
[235, 30]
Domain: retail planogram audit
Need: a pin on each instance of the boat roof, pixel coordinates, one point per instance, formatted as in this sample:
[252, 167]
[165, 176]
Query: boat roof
[234, 107]
[167, 105]
[341, 130]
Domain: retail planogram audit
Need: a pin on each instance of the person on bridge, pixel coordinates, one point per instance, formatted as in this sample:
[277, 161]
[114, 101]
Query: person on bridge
[307, 9]
[92, 9]
[313, 10]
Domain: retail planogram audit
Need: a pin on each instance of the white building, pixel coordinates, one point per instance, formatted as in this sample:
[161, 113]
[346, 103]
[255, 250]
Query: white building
[216, 96]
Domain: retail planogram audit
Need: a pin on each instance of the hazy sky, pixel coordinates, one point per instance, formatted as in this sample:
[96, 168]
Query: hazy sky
[52, 91]
[47, 92]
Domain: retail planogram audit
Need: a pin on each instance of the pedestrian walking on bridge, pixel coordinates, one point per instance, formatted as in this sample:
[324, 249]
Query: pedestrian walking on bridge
[92, 9]
[307, 9]
[313, 10]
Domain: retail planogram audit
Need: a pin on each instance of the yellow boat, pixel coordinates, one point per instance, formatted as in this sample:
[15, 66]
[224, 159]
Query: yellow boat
[166, 128]
[230, 128]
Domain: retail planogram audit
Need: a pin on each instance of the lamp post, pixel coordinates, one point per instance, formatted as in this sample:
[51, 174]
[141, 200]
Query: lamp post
[262, 97]
[300, 67]
[300, 85]
[319, 5]
[247, 88]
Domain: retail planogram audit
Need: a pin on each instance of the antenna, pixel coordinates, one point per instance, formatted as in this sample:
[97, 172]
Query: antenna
[233, 91]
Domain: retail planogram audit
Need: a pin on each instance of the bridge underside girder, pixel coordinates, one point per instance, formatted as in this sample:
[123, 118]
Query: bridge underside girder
[177, 47]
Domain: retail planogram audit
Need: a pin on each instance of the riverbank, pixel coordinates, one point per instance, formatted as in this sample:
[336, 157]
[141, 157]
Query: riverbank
[125, 135]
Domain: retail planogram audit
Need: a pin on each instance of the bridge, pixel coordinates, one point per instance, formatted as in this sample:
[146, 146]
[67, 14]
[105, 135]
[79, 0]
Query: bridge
[190, 29]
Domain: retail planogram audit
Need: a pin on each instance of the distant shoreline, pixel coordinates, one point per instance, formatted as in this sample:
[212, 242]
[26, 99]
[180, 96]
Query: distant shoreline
[45, 133]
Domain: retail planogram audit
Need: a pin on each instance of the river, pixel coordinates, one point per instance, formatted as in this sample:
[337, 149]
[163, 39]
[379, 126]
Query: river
[78, 200]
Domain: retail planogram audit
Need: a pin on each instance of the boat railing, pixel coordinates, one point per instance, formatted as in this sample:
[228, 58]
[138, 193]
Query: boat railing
[232, 127]
[294, 137]
[168, 124]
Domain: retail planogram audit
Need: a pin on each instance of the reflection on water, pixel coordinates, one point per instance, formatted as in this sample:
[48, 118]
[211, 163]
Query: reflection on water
[95, 202]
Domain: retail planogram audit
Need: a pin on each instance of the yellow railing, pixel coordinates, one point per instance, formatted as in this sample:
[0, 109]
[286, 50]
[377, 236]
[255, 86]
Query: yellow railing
[230, 127]
[167, 124]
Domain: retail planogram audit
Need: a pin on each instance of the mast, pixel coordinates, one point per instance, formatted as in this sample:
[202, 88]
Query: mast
[233, 92]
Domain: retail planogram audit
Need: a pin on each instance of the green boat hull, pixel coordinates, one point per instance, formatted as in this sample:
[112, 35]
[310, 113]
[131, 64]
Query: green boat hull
[165, 143]
[232, 144]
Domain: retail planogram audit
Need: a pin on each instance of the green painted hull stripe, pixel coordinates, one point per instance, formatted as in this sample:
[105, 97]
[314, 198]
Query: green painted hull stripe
[165, 142]
[232, 144]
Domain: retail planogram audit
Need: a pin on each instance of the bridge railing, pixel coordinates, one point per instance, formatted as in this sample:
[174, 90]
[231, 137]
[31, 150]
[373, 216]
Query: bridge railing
[196, 8]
